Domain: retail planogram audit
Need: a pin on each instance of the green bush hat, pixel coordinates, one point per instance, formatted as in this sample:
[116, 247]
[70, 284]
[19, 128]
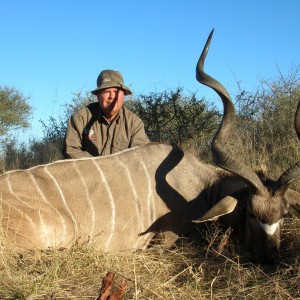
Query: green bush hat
[109, 79]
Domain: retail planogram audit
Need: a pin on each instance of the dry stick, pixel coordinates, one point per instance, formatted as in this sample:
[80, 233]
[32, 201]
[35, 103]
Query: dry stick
[211, 285]
[174, 277]
[144, 287]
[148, 289]
[136, 285]
[227, 258]
[135, 280]
[156, 294]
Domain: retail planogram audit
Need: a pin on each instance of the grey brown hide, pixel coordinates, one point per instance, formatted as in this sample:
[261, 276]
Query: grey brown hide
[110, 201]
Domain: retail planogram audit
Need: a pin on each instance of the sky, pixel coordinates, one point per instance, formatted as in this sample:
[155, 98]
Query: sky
[53, 49]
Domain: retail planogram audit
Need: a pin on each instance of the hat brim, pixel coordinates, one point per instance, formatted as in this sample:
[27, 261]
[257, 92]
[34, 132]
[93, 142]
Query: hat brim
[126, 90]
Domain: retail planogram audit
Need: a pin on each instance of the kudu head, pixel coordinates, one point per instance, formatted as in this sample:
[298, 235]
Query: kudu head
[268, 201]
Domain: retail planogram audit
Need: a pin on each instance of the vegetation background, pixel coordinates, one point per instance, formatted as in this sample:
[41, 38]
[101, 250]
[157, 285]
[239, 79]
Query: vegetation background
[213, 267]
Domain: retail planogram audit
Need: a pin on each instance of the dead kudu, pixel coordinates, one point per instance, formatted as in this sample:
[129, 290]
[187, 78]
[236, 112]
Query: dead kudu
[121, 201]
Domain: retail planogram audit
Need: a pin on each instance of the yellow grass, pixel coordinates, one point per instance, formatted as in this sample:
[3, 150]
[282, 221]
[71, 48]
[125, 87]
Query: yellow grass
[209, 269]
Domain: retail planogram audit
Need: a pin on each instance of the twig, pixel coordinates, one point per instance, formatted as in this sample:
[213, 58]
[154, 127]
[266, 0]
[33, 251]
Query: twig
[174, 277]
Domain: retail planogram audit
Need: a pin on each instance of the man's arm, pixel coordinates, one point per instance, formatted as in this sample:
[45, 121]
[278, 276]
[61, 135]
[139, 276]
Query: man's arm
[139, 136]
[72, 146]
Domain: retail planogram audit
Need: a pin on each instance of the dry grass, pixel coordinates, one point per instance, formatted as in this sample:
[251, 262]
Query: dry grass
[211, 269]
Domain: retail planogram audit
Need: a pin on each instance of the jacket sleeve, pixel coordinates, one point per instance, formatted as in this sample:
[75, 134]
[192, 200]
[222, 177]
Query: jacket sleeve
[139, 136]
[72, 146]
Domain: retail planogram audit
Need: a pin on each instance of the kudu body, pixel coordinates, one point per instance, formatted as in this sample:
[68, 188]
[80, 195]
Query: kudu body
[120, 201]
[107, 200]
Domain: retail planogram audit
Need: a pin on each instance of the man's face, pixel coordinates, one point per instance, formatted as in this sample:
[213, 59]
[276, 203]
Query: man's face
[111, 100]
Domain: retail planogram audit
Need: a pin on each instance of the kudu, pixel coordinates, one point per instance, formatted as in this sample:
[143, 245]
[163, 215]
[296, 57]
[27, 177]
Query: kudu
[121, 201]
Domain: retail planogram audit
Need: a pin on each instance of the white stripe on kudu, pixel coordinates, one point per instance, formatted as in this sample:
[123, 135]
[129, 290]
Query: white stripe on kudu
[112, 205]
[88, 199]
[44, 199]
[19, 211]
[150, 201]
[63, 199]
[135, 199]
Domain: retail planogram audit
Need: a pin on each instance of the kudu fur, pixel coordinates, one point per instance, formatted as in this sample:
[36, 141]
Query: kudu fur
[121, 201]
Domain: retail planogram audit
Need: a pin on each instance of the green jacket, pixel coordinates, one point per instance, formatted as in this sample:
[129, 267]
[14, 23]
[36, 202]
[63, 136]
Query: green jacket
[90, 134]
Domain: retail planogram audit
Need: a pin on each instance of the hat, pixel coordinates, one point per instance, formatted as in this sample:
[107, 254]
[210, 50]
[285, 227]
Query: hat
[111, 78]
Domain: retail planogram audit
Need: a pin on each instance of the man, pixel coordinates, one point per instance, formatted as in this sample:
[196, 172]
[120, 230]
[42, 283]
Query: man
[106, 126]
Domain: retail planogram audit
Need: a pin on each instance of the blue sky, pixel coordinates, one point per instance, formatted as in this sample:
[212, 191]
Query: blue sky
[52, 49]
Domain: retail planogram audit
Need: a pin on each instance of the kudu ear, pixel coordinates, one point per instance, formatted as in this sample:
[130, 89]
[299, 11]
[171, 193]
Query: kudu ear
[223, 207]
[293, 198]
